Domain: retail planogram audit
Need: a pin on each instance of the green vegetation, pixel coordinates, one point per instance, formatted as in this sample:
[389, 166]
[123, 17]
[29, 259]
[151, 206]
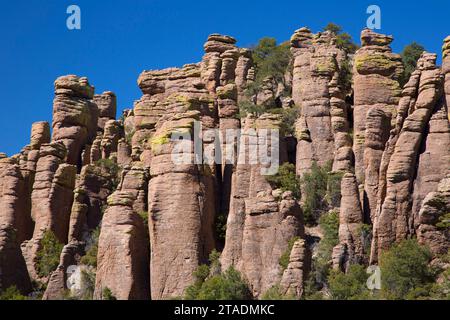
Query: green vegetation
[350, 285]
[107, 294]
[405, 271]
[286, 180]
[444, 222]
[346, 76]
[271, 60]
[113, 169]
[366, 236]
[329, 224]
[274, 294]
[226, 286]
[320, 189]
[288, 118]
[343, 39]
[48, 254]
[441, 290]
[211, 284]
[247, 107]
[129, 137]
[90, 259]
[410, 55]
[144, 216]
[285, 257]
[321, 264]
[12, 293]
[221, 227]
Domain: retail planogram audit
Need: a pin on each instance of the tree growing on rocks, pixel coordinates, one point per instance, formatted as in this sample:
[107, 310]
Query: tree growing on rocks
[410, 55]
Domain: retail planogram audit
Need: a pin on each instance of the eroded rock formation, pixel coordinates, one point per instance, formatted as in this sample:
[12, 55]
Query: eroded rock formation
[75, 116]
[395, 220]
[123, 251]
[157, 183]
[376, 73]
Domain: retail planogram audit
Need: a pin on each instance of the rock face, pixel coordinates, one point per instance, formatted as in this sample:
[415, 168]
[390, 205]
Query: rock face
[94, 185]
[40, 134]
[322, 126]
[110, 140]
[446, 71]
[434, 158]
[294, 277]
[51, 199]
[123, 252]
[14, 209]
[157, 184]
[435, 205]
[378, 124]
[179, 199]
[53, 191]
[376, 73]
[57, 284]
[135, 181]
[107, 108]
[75, 116]
[13, 270]
[350, 249]
[259, 226]
[396, 220]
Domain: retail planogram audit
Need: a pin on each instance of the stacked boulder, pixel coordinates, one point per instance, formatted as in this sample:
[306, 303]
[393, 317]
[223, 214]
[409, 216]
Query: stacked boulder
[123, 252]
[322, 129]
[51, 199]
[261, 220]
[376, 73]
[395, 219]
[75, 116]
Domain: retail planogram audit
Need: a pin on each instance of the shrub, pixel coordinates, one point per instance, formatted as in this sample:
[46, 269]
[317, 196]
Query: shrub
[288, 118]
[12, 293]
[350, 285]
[366, 233]
[321, 263]
[226, 286]
[211, 284]
[88, 278]
[112, 168]
[410, 55]
[285, 257]
[271, 59]
[329, 224]
[314, 186]
[444, 222]
[286, 180]
[333, 195]
[274, 293]
[343, 39]
[247, 107]
[90, 259]
[221, 227]
[144, 216]
[321, 190]
[404, 269]
[200, 276]
[48, 254]
[441, 290]
[107, 294]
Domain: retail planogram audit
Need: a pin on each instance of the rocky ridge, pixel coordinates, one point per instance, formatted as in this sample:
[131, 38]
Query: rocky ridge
[157, 219]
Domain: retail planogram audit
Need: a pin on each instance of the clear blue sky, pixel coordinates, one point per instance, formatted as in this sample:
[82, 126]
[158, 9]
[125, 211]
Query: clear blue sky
[119, 39]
